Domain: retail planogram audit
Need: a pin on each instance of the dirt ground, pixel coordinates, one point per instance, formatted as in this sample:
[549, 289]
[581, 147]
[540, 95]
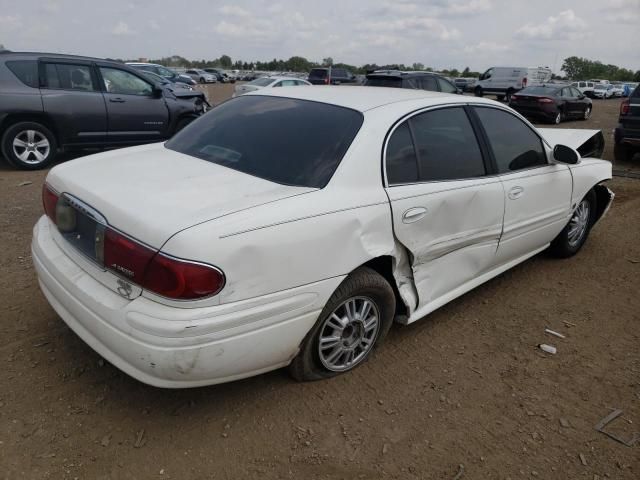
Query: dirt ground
[465, 386]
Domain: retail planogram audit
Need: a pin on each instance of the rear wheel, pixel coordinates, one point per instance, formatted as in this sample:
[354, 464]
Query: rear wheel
[29, 145]
[509, 93]
[500, 97]
[558, 118]
[356, 317]
[574, 235]
[622, 152]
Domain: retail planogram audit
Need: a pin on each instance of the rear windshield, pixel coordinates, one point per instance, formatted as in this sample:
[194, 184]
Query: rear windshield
[25, 70]
[283, 140]
[318, 73]
[262, 82]
[539, 91]
[383, 82]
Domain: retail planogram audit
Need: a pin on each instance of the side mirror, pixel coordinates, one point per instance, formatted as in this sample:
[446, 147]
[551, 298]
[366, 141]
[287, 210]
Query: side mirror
[157, 91]
[564, 154]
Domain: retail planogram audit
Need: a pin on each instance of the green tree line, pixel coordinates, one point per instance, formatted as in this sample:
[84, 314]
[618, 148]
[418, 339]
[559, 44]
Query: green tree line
[578, 68]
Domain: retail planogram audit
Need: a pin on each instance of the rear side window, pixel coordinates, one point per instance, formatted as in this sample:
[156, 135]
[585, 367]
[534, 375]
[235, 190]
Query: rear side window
[402, 164]
[446, 145]
[26, 71]
[283, 140]
[429, 83]
[434, 146]
[68, 77]
[515, 146]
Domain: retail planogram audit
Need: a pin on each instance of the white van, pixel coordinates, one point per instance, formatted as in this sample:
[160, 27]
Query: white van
[585, 87]
[504, 81]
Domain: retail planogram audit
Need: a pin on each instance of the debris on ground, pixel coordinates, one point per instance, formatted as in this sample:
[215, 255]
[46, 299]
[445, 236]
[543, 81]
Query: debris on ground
[583, 459]
[24, 184]
[554, 333]
[610, 418]
[547, 348]
[460, 472]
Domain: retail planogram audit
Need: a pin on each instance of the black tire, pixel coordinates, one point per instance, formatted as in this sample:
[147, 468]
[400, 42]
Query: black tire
[363, 283]
[30, 161]
[478, 92]
[559, 118]
[202, 80]
[500, 98]
[622, 152]
[510, 92]
[587, 113]
[563, 246]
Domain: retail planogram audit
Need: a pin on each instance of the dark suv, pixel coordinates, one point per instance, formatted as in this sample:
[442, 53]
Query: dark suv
[416, 80]
[50, 102]
[627, 133]
[331, 76]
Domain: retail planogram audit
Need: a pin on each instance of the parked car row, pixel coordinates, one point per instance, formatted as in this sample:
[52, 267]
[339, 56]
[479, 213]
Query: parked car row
[552, 103]
[626, 136]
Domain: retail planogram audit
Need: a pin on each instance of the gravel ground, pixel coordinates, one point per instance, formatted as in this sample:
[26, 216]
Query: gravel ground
[466, 386]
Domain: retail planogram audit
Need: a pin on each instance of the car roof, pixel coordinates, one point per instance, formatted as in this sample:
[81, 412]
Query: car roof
[366, 98]
[62, 56]
[400, 73]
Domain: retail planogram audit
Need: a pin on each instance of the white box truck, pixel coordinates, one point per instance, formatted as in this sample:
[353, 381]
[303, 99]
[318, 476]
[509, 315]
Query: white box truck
[505, 81]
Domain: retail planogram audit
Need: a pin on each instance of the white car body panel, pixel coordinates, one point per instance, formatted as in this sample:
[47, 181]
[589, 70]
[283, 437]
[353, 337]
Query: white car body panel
[571, 137]
[276, 83]
[284, 250]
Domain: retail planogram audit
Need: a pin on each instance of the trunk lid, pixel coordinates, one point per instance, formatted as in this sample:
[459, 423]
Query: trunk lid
[151, 192]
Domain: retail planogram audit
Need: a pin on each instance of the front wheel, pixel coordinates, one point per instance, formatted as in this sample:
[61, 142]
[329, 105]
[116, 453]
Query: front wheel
[571, 239]
[478, 92]
[356, 317]
[587, 113]
[29, 145]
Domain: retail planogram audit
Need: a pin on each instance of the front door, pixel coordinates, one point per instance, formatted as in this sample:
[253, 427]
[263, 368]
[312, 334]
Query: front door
[537, 193]
[135, 113]
[446, 211]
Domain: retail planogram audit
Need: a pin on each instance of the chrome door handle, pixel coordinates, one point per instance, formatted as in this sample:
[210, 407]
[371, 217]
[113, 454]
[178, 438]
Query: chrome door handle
[116, 100]
[413, 214]
[515, 193]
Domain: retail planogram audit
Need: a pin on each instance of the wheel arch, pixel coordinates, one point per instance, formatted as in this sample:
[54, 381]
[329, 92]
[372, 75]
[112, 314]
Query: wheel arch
[44, 119]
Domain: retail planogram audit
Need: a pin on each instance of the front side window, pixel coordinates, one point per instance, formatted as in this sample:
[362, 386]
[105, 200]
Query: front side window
[515, 146]
[446, 86]
[282, 140]
[124, 83]
[26, 71]
[68, 77]
[575, 92]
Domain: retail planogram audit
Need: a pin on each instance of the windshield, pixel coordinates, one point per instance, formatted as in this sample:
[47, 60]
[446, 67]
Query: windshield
[283, 140]
[600, 87]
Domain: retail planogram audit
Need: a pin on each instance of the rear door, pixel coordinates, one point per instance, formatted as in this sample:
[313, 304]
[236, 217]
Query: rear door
[135, 112]
[445, 208]
[72, 98]
[537, 193]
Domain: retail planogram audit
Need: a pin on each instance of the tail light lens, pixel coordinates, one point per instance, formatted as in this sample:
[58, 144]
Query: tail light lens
[624, 107]
[514, 98]
[180, 279]
[154, 271]
[326, 81]
[49, 202]
[524, 82]
[545, 100]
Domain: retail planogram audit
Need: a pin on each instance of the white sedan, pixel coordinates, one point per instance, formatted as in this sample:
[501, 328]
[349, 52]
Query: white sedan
[268, 82]
[292, 227]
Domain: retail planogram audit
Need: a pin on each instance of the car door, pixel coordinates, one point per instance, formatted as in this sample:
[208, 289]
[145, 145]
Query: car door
[446, 210]
[580, 102]
[135, 111]
[537, 193]
[73, 100]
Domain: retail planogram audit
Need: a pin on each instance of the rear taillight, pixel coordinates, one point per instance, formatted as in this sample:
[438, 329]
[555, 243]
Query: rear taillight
[624, 107]
[159, 273]
[125, 256]
[326, 81]
[545, 100]
[49, 202]
[524, 82]
[152, 270]
[181, 279]
[514, 98]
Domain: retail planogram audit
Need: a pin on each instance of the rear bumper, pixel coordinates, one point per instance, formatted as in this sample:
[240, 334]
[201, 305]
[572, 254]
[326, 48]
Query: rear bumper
[626, 135]
[177, 347]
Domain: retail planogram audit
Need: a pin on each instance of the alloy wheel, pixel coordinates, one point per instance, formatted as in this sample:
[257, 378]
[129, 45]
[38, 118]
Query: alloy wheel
[587, 113]
[348, 334]
[31, 147]
[579, 223]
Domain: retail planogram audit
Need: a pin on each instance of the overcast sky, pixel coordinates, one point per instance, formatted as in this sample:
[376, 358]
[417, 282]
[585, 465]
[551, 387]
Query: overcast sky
[437, 33]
